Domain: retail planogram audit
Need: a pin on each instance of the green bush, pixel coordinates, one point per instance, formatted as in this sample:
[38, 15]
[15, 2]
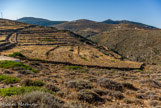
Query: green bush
[17, 54]
[9, 80]
[21, 90]
[11, 64]
[28, 82]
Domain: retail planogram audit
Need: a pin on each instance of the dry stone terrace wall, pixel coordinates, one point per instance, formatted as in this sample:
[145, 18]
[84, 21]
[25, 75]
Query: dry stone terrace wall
[71, 48]
[8, 35]
[51, 36]
[44, 36]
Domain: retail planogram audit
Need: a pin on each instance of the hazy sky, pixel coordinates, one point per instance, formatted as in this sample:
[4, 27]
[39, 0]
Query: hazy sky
[145, 11]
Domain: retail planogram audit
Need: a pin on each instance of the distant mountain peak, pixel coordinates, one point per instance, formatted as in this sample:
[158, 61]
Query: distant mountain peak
[83, 20]
[39, 21]
[109, 20]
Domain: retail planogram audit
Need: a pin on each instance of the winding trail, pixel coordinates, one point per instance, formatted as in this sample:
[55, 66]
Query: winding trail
[11, 39]
[10, 42]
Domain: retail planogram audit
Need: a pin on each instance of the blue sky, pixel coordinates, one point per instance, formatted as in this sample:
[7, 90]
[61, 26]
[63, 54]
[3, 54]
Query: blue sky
[145, 11]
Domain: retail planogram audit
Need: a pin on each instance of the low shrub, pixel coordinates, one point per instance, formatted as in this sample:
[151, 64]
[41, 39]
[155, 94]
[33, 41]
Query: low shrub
[99, 92]
[28, 82]
[109, 84]
[11, 64]
[8, 79]
[129, 86]
[89, 96]
[151, 83]
[52, 87]
[79, 105]
[117, 95]
[35, 99]
[79, 84]
[20, 90]
[141, 96]
[77, 68]
[17, 54]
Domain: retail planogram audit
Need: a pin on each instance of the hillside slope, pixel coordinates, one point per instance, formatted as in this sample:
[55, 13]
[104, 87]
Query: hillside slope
[60, 69]
[85, 27]
[88, 28]
[109, 21]
[137, 45]
[48, 43]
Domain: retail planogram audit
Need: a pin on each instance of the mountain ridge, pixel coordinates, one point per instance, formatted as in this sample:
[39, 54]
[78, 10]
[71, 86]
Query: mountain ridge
[109, 21]
[39, 21]
[35, 20]
[88, 28]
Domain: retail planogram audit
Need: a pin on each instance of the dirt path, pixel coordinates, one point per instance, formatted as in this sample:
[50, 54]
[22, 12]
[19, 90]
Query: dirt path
[11, 39]
[9, 58]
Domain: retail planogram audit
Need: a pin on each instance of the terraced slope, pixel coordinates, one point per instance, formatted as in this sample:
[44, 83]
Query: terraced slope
[137, 45]
[8, 29]
[63, 46]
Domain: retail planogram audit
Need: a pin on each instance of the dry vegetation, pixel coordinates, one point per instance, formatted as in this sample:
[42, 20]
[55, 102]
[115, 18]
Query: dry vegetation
[136, 45]
[60, 69]
[64, 46]
[84, 86]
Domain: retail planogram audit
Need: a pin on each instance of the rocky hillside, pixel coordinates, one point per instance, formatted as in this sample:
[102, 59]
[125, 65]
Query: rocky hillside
[138, 45]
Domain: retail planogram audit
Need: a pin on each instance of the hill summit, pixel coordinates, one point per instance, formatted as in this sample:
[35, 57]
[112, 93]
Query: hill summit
[39, 21]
